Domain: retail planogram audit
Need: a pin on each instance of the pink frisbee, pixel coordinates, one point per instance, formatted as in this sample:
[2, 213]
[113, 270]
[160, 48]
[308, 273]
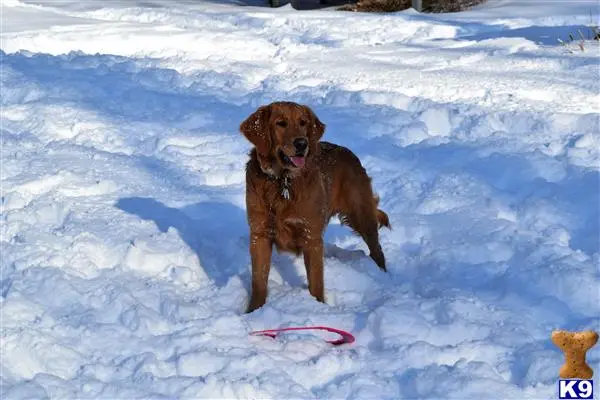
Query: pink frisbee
[346, 337]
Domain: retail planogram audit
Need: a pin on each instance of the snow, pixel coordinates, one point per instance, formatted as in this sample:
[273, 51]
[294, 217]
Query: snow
[125, 265]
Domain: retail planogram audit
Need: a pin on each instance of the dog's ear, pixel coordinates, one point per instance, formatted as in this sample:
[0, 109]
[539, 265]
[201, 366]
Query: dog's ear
[316, 127]
[256, 129]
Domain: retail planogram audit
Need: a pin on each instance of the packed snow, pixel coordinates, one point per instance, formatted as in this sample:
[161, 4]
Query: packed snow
[125, 263]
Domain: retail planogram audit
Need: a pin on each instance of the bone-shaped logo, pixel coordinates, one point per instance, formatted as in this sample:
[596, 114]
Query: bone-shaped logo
[574, 345]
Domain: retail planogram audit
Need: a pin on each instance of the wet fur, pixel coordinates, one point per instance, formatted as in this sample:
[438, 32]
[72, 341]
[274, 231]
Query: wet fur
[332, 182]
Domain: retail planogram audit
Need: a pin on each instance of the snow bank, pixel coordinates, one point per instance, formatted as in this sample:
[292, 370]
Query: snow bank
[125, 267]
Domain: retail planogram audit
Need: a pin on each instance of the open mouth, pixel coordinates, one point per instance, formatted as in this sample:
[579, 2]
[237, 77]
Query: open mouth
[296, 161]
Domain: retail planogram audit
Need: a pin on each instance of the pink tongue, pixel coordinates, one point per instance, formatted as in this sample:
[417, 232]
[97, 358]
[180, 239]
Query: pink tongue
[298, 161]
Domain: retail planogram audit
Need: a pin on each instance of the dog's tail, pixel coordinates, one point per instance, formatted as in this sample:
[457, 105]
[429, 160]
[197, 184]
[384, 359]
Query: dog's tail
[382, 218]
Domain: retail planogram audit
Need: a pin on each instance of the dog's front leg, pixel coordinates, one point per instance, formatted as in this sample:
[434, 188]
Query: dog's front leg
[260, 252]
[313, 261]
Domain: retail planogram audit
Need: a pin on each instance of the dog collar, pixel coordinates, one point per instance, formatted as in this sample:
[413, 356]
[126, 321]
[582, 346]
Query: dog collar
[285, 186]
[284, 179]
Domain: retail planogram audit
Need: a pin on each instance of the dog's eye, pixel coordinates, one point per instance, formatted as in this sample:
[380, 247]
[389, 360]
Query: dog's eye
[282, 124]
[303, 122]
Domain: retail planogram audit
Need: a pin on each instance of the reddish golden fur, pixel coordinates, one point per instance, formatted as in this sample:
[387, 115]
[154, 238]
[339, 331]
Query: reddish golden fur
[331, 182]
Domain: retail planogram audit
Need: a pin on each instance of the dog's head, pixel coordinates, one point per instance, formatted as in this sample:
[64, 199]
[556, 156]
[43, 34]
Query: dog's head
[285, 135]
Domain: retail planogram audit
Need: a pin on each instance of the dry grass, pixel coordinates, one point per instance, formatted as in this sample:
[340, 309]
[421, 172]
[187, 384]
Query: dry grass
[436, 6]
[580, 39]
[443, 6]
[378, 6]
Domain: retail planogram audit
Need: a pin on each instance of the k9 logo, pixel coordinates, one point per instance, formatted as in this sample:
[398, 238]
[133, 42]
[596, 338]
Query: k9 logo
[575, 389]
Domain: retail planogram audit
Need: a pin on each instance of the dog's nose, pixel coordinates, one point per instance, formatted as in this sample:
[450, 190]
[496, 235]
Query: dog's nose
[300, 144]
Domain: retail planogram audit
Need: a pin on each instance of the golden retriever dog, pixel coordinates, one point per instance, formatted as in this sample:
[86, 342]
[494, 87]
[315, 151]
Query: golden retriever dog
[294, 185]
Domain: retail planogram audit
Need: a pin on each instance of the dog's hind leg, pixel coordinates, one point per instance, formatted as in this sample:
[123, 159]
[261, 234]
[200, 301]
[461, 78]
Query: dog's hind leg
[371, 238]
[366, 224]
